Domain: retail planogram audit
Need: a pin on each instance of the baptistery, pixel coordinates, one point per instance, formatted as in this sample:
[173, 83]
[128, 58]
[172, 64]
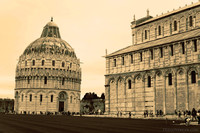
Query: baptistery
[48, 76]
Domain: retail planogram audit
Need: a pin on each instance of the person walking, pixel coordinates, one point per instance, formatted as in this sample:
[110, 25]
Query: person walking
[194, 114]
[179, 113]
[129, 114]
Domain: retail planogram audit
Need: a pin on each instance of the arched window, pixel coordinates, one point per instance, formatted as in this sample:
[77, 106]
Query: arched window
[42, 62]
[131, 59]
[63, 64]
[175, 26]
[53, 62]
[172, 50]
[63, 81]
[28, 80]
[190, 21]
[145, 34]
[161, 52]
[183, 48]
[193, 77]
[140, 56]
[70, 99]
[151, 51]
[30, 97]
[25, 63]
[45, 80]
[122, 60]
[51, 98]
[149, 81]
[129, 84]
[33, 62]
[41, 98]
[22, 97]
[195, 45]
[159, 30]
[70, 65]
[169, 79]
[114, 62]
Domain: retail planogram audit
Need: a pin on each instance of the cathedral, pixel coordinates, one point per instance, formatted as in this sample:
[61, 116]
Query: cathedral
[160, 71]
[48, 75]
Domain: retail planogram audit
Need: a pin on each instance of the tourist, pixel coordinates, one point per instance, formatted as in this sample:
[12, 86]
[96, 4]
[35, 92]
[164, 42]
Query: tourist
[175, 112]
[157, 113]
[147, 113]
[189, 112]
[179, 113]
[161, 113]
[194, 114]
[144, 114]
[129, 114]
[186, 112]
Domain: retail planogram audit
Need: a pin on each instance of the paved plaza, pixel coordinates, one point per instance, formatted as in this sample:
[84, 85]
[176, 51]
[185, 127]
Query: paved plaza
[76, 124]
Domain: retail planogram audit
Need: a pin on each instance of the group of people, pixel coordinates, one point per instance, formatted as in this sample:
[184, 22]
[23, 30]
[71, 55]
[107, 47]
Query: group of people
[194, 114]
[150, 113]
[159, 113]
[147, 113]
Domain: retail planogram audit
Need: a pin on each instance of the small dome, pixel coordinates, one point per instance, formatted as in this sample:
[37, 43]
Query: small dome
[51, 30]
[52, 24]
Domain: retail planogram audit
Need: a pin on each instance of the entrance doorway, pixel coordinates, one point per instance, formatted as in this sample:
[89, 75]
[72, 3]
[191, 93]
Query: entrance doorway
[61, 106]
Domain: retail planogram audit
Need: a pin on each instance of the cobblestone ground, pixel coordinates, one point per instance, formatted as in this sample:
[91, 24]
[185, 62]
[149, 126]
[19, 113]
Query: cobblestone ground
[76, 124]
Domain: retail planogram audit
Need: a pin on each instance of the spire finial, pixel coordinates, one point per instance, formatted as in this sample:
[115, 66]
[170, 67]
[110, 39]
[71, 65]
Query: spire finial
[147, 12]
[134, 17]
[51, 19]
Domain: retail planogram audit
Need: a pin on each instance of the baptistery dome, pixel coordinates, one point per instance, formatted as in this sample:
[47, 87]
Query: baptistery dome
[48, 75]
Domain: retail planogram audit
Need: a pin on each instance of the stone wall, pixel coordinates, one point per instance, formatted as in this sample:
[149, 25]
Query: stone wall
[166, 22]
[23, 102]
[181, 95]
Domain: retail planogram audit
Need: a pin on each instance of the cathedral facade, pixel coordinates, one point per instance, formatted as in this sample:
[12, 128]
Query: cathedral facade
[48, 75]
[161, 69]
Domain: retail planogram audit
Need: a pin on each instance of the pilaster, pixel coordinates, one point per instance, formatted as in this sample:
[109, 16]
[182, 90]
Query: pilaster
[164, 95]
[154, 109]
[175, 92]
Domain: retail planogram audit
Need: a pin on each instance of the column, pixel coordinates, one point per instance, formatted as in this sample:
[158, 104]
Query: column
[57, 103]
[154, 109]
[107, 99]
[187, 92]
[133, 102]
[164, 95]
[26, 103]
[125, 97]
[175, 92]
[116, 103]
[143, 80]
[35, 103]
[47, 98]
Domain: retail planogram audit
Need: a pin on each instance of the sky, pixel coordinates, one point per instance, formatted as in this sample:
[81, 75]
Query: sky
[89, 26]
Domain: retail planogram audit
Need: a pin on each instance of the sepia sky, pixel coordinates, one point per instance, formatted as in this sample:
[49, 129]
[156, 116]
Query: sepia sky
[89, 26]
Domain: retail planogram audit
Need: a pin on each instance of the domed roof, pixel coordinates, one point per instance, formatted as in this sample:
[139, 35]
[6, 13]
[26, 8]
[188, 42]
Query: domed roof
[51, 24]
[50, 42]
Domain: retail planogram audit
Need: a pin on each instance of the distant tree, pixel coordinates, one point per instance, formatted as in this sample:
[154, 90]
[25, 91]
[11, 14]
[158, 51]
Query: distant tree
[90, 96]
[102, 96]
